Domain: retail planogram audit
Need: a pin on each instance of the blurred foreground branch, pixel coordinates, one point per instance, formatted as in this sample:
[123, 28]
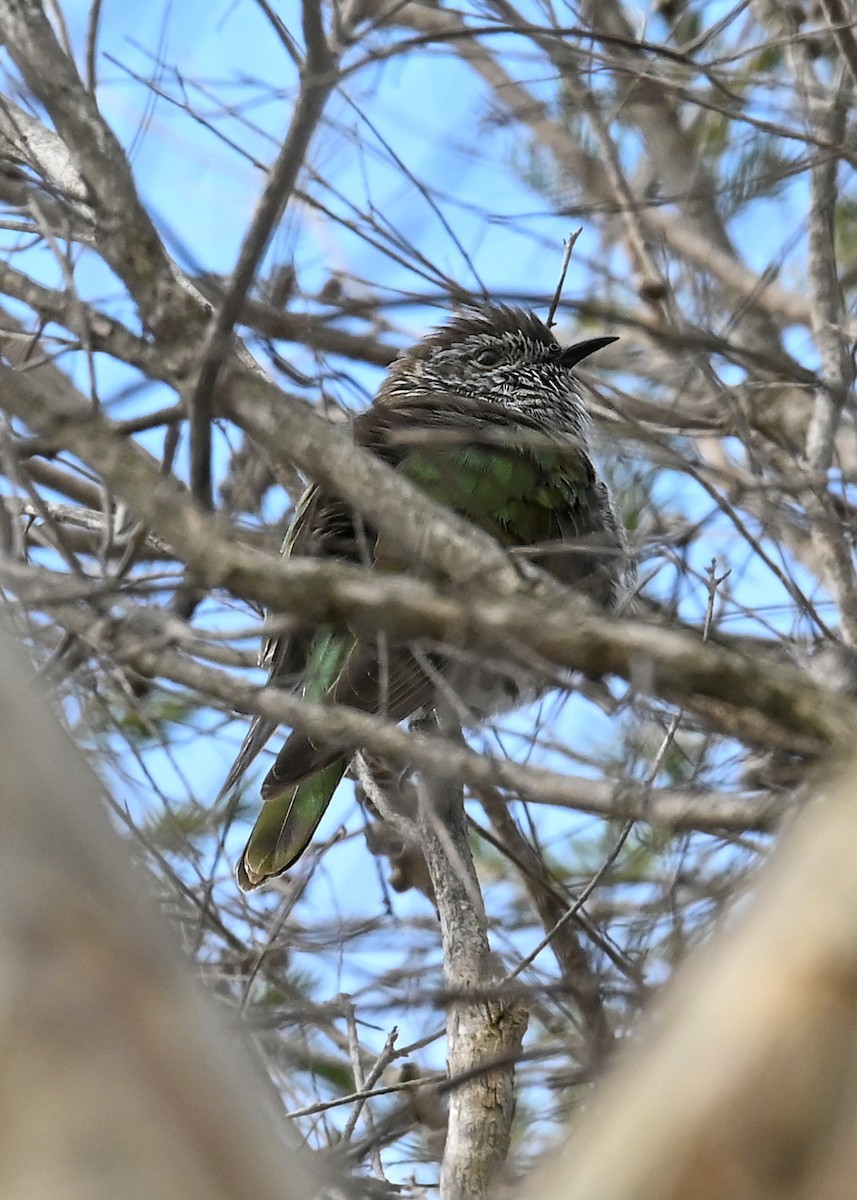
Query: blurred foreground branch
[747, 1084]
[118, 1078]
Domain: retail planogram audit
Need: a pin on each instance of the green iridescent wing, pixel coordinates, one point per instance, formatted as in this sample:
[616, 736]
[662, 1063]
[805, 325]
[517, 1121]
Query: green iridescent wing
[504, 471]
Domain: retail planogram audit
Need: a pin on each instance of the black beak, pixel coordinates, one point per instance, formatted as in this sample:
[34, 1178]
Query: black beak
[572, 355]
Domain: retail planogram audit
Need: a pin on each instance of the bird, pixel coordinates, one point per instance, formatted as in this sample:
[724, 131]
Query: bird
[487, 417]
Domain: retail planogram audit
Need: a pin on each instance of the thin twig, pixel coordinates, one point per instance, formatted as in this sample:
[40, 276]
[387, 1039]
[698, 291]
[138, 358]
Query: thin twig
[566, 259]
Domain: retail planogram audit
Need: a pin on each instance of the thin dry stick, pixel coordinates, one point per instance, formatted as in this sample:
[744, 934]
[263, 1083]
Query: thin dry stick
[383, 1060]
[566, 259]
[362, 1084]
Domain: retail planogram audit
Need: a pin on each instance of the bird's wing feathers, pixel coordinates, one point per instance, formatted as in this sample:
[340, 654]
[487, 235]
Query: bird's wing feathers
[505, 471]
[320, 527]
[375, 678]
[510, 474]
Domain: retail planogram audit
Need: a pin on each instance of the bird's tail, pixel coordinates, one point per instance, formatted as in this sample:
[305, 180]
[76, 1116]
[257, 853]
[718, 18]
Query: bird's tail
[285, 826]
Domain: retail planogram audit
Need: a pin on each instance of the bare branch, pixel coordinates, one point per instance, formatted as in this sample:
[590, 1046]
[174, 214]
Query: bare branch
[483, 1036]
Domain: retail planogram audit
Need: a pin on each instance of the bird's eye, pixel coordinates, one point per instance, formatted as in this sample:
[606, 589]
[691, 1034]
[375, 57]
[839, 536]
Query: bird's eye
[489, 358]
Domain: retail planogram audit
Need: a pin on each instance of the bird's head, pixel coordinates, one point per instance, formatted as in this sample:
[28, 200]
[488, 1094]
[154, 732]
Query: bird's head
[499, 354]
